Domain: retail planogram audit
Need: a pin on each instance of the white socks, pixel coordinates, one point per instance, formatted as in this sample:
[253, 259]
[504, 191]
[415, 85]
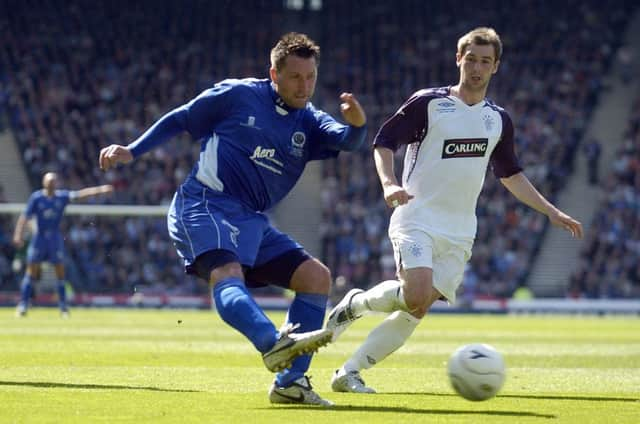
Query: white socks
[384, 297]
[385, 339]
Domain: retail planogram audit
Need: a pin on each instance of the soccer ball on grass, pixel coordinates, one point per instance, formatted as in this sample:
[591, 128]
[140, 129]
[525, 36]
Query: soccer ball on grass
[476, 371]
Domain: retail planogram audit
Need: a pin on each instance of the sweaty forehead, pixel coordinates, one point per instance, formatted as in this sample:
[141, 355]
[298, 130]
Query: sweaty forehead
[297, 64]
[484, 50]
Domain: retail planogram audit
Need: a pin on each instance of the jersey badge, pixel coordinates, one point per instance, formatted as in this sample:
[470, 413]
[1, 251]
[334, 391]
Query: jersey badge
[298, 140]
[488, 122]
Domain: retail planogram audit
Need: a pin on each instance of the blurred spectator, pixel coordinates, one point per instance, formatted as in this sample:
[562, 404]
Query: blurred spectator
[609, 266]
[77, 77]
[7, 250]
[592, 151]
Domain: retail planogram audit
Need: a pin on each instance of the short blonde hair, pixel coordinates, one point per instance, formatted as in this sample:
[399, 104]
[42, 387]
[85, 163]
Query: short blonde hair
[481, 36]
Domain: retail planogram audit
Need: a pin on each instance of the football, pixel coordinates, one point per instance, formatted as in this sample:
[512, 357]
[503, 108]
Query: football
[476, 371]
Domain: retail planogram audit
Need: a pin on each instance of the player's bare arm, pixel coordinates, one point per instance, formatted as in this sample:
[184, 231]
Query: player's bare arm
[93, 191]
[394, 194]
[352, 111]
[520, 186]
[114, 154]
[17, 234]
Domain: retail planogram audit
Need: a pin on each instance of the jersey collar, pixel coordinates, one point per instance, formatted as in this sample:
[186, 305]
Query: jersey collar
[281, 107]
[482, 103]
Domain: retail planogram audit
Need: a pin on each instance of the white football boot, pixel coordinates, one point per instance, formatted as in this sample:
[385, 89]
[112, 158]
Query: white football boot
[349, 382]
[21, 310]
[290, 345]
[300, 391]
[341, 316]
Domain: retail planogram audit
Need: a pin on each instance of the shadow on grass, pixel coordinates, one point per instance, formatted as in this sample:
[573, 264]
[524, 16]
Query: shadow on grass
[549, 397]
[405, 410]
[51, 385]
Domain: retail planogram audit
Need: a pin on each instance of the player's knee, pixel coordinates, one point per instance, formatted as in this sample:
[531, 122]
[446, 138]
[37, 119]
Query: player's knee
[233, 269]
[419, 300]
[416, 306]
[312, 276]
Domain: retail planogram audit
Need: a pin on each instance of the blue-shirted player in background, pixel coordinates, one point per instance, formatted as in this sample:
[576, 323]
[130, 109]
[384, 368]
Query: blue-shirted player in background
[47, 244]
[257, 135]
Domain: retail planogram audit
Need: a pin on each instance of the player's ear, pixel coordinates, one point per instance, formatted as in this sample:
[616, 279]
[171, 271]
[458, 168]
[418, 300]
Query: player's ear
[495, 67]
[273, 74]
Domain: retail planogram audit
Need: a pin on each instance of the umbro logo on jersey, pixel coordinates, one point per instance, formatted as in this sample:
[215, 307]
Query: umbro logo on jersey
[445, 106]
[251, 123]
[464, 148]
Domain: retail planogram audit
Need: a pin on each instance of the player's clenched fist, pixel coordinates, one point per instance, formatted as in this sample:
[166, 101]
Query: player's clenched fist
[351, 110]
[112, 155]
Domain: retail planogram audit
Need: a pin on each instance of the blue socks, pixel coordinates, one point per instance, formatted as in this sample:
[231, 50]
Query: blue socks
[25, 291]
[62, 295]
[307, 309]
[237, 308]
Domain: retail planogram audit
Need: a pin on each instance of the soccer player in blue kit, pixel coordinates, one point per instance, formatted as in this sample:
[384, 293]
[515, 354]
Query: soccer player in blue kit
[256, 137]
[47, 244]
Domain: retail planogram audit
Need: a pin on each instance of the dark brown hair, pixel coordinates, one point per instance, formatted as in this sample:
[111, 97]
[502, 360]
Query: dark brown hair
[294, 43]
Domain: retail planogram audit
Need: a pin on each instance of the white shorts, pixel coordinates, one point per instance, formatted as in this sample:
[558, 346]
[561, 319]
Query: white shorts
[446, 257]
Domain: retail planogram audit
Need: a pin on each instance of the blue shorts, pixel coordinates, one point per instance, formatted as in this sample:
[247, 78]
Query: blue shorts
[201, 219]
[46, 249]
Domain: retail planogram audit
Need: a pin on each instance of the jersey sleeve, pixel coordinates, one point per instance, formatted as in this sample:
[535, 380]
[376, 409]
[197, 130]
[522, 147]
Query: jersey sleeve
[408, 125]
[66, 195]
[31, 204]
[331, 136]
[203, 113]
[198, 118]
[504, 162]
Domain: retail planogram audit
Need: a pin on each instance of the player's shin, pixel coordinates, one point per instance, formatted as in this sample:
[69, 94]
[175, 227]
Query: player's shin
[25, 291]
[385, 339]
[62, 295]
[238, 309]
[386, 296]
[307, 310]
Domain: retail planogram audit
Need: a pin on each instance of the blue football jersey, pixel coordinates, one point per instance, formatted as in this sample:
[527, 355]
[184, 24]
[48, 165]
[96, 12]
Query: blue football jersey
[48, 211]
[253, 146]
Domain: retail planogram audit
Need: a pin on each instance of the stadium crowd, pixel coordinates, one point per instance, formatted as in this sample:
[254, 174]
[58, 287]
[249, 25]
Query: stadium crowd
[76, 77]
[610, 261]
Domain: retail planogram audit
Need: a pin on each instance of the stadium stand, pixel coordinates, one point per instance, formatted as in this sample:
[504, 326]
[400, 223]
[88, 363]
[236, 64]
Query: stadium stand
[75, 78]
[610, 262]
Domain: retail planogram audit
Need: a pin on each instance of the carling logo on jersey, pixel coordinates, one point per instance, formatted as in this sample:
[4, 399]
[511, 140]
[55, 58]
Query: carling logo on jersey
[464, 148]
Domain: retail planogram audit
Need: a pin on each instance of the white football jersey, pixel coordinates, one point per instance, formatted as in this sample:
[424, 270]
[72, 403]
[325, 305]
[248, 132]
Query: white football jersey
[450, 145]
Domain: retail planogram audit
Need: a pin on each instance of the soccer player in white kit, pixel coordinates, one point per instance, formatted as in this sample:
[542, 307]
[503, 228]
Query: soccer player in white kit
[453, 133]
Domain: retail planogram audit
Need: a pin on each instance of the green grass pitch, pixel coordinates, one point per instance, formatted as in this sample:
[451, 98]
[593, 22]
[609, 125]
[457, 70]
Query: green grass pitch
[178, 366]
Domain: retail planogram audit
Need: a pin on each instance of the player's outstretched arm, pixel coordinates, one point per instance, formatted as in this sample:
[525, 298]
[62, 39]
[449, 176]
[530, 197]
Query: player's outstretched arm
[520, 186]
[93, 191]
